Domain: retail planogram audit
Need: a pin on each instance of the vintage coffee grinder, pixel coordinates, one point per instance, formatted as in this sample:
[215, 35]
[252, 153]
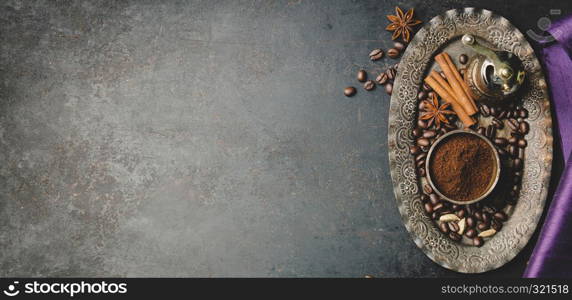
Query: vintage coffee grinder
[492, 76]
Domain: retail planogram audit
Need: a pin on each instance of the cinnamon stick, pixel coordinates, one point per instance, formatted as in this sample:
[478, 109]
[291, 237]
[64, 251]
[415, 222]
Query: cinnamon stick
[460, 79]
[457, 108]
[459, 93]
[442, 82]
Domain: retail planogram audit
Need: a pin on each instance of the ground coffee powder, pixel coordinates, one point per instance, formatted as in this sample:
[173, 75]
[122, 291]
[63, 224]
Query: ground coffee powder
[462, 167]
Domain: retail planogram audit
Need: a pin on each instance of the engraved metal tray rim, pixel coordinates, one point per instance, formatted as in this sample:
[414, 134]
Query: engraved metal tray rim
[506, 244]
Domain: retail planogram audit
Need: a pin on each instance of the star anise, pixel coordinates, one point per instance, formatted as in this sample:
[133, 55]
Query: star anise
[402, 24]
[435, 113]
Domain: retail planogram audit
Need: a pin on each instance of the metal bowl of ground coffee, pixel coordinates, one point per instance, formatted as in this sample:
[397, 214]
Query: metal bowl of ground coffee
[463, 167]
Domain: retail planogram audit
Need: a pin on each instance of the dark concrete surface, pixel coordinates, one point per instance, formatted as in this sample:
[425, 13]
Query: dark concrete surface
[203, 138]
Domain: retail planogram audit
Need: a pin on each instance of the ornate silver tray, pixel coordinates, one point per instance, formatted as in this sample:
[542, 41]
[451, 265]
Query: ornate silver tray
[443, 33]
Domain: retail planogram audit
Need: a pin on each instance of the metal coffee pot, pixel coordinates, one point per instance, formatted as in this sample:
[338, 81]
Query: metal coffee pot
[492, 76]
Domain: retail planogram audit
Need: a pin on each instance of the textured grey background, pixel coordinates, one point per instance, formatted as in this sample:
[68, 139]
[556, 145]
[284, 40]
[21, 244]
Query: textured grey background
[203, 138]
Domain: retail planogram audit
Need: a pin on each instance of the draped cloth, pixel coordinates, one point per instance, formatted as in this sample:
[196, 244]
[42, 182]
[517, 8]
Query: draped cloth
[552, 255]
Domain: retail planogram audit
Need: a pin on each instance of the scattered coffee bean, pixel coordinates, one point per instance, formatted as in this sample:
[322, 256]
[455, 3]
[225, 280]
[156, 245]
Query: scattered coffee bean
[382, 78]
[423, 142]
[471, 233]
[502, 152]
[521, 153]
[421, 172]
[427, 189]
[460, 213]
[453, 226]
[389, 88]
[500, 142]
[513, 140]
[501, 216]
[512, 150]
[390, 73]
[426, 87]
[496, 225]
[421, 157]
[417, 132]
[513, 124]
[399, 46]
[483, 226]
[478, 215]
[523, 127]
[463, 59]
[501, 115]
[438, 206]
[428, 208]
[362, 75]
[522, 143]
[497, 123]
[491, 132]
[422, 95]
[478, 241]
[517, 164]
[523, 113]
[414, 150]
[454, 236]
[434, 199]
[369, 85]
[485, 110]
[393, 53]
[481, 130]
[424, 198]
[486, 217]
[493, 111]
[350, 91]
[396, 66]
[376, 54]
[443, 227]
[429, 134]
[471, 222]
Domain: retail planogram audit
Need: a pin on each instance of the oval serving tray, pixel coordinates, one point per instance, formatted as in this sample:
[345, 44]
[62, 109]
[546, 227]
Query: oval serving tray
[443, 33]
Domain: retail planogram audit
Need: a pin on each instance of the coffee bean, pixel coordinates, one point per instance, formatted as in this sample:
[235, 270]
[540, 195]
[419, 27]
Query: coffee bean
[513, 140]
[470, 209]
[434, 199]
[429, 134]
[496, 225]
[428, 208]
[470, 222]
[424, 198]
[369, 85]
[396, 66]
[513, 150]
[500, 142]
[501, 216]
[521, 153]
[522, 143]
[483, 226]
[390, 73]
[389, 88]
[444, 228]
[491, 132]
[523, 127]
[470, 233]
[427, 189]
[478, 241]
[510, 114]
[376, 54]
[497, 123]
[350, 91]
[478, 215]
[481, 130]
[460, 213]
[393, 53]
[517, 164]
[513, 124]
[501, 115]
[399, 46]
[523, 113]
[421, 172]
[421, 157]
[422, 95]
[382, 78]
[453, 226]
[426, 87]
[486, 217]
[417, 132]
[485, 110]
[423, 142]
[362, 75]
[463, 59]
[502, 152]
[438, 206]
[493, 111]
[420, 164]
[454, 236]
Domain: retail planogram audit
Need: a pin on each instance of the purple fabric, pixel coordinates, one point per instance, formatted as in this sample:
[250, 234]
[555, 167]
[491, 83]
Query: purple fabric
[552, 255]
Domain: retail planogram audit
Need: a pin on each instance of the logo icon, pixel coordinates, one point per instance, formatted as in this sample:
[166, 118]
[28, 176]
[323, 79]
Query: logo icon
[12, 291]
[543, 24]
